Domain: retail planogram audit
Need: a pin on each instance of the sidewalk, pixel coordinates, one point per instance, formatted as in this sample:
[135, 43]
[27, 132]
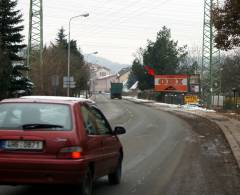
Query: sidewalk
[229, 125]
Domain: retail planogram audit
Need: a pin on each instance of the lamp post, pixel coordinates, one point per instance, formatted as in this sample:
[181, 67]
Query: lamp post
[92, 76]
[69, 51]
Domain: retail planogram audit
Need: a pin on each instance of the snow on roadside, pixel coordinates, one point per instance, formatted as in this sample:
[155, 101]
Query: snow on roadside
[136, 99]
[190, 107]
[173, 107]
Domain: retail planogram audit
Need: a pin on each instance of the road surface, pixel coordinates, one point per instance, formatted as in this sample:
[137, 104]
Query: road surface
[164, 154]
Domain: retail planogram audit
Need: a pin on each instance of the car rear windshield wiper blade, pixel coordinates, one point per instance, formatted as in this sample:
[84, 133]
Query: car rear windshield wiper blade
[40, 126]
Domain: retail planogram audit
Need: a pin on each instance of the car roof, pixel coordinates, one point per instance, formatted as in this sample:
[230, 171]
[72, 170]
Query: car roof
[50, 99]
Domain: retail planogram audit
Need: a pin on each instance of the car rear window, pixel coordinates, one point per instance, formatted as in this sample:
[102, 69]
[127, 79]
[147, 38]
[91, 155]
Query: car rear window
[54, 117]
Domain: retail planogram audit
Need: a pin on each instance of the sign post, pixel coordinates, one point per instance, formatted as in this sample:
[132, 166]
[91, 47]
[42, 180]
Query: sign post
[69, 83]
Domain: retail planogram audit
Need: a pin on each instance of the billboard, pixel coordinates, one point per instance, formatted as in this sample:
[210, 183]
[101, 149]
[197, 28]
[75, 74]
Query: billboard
[171, 83]
[194, 79]
[194, 83]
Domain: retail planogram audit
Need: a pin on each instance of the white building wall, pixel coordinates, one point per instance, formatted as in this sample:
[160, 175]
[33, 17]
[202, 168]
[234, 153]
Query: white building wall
[102, 72]
[104, 84]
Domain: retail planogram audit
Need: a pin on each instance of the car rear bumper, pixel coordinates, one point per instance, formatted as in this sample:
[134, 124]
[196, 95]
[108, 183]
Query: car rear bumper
[55, 171]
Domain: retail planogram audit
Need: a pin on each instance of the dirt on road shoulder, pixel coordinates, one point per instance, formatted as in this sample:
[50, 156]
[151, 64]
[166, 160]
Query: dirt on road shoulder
[210, 156]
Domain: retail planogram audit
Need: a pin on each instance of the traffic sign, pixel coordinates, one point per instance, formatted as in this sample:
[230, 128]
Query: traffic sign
[191, 99]
[69, 82]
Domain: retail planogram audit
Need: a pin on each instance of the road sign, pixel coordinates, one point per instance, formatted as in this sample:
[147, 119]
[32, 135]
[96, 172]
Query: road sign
[65, 79]
[191, 99]
[69, 82]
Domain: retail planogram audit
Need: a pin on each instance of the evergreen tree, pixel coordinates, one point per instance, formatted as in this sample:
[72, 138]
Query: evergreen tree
[163, 55]
[131, 80]
[141, 75]
[20, 84]
[10, 45]
[5, 77]
[160, 57]
[61, 39]
[62, 43]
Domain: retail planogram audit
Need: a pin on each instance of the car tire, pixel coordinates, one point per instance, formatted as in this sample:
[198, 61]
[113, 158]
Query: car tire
[115, 177]
[87, 184]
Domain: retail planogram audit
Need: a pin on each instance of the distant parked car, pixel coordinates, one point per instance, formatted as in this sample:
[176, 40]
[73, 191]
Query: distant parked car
[57, 140]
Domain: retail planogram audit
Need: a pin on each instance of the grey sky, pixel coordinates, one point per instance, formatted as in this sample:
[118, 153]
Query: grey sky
[117, 28]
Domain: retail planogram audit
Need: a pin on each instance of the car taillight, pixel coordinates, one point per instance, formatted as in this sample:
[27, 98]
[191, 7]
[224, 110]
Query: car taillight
[70, 153]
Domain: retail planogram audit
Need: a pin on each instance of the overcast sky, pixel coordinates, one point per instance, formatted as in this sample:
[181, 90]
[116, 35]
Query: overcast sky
[117, 28]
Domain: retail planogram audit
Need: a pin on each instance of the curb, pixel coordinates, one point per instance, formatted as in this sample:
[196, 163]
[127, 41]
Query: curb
[235, 147]
[231, 140]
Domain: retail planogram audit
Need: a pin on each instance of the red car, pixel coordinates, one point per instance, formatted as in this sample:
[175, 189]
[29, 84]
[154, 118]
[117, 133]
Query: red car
[57, 140]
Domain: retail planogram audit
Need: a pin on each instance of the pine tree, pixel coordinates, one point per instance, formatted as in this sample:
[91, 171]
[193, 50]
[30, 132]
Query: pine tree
[10, 46]
[61, 39]
[5, 77]
[162, 56]
[131, 80]
[20, 84]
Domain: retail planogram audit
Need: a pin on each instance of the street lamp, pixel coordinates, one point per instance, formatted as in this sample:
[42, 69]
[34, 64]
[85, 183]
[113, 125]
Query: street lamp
[69, 39]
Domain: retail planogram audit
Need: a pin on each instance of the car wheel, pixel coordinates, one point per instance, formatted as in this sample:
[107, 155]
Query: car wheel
[115, 177]
[87, 184]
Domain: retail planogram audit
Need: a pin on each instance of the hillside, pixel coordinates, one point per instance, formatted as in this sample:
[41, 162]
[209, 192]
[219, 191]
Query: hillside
[113, 66]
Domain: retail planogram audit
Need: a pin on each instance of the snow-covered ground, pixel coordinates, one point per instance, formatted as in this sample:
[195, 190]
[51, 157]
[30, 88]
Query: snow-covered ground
[136, 99]
[184, 108]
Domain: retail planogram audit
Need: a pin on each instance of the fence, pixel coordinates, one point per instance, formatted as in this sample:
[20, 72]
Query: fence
[232, 103]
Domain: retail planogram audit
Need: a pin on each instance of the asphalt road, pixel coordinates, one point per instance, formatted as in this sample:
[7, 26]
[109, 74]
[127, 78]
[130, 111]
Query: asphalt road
[164, 154]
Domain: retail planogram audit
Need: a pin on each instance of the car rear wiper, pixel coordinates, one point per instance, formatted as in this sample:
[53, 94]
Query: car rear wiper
[40, 126]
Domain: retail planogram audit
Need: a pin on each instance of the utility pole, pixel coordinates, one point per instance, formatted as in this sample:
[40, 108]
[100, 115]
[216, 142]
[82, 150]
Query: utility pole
[35, 34]
[210, 54]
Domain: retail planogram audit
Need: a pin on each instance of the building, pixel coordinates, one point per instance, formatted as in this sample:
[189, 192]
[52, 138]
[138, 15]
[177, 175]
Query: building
[98, 72]
[123, 74]
[104, 84]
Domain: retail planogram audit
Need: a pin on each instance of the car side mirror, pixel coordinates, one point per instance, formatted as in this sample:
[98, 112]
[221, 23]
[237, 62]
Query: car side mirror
[119, 130]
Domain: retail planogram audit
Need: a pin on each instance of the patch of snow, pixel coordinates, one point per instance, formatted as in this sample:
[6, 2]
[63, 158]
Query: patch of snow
[30, 83]
[183, 108]
[189, 107]
[135, 85]
[18, 78]
[20, 91]
[137, 100]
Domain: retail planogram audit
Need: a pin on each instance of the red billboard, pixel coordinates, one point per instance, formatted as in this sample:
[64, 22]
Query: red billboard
[171, 83]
